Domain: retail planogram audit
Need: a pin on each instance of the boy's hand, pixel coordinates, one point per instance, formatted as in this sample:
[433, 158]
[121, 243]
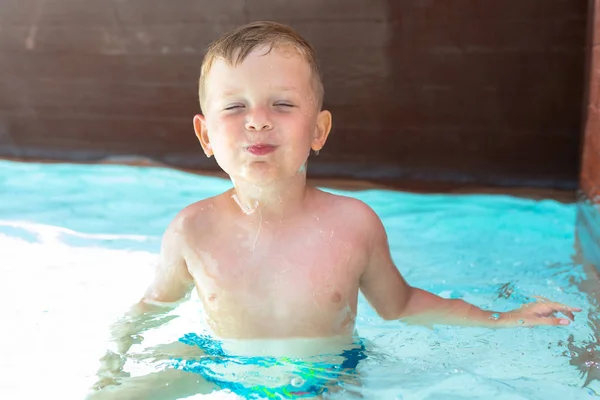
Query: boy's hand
[541, 312]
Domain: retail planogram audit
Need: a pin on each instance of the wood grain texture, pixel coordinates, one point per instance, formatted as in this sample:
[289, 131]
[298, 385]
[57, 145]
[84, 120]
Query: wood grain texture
[459, 91]
[588, 216]
[590, 171]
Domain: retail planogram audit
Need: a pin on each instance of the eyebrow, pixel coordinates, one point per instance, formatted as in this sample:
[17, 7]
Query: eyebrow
[234, 92]
[287, 88]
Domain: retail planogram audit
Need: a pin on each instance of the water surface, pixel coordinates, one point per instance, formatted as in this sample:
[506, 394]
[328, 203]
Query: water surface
[78, 243]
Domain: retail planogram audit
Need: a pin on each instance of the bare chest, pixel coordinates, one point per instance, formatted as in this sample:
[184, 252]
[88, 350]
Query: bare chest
[280, 272]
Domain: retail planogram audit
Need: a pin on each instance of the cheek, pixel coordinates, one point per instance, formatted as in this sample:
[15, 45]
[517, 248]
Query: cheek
[221, 132]
[300, 130]
[221, 125]
[305, 138]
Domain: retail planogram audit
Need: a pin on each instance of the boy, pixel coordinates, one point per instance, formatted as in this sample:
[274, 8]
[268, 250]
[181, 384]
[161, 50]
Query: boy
[272, 258]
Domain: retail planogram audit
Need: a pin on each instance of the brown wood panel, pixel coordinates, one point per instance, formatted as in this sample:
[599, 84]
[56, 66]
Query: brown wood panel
[76, 12]
[590, 171]
[19, 11]
[124, 12]
[498, 110]
[469, 10]
[593, 86]
[142, 69]
[455, 90]
[169, 39]
[320, 11]
[90, 98]
[594, 22]
[591, 154]
[460, 150]
[155, 40]
[156, 12]
[147, 137]
[588, 218]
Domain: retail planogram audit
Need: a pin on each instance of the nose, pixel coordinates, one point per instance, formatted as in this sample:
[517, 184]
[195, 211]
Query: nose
[258, 120]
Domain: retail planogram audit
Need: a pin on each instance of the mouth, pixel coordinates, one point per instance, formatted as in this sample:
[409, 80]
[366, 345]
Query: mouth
[261, 149]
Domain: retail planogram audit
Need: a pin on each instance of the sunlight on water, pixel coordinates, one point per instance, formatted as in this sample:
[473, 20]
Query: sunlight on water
[78, 243]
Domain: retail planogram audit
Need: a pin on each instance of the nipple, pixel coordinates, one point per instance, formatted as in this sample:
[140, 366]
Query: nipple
[336, 297]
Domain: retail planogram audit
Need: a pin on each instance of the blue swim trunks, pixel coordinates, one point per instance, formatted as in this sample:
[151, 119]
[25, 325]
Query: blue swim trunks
[307, 378]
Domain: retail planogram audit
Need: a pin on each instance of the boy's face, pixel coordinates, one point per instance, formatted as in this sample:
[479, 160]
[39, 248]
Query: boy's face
[261, 118]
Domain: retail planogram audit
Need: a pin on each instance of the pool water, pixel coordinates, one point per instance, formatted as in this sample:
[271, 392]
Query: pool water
[78, 243]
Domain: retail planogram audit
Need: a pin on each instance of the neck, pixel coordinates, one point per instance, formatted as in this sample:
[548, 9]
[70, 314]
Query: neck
[275, 201]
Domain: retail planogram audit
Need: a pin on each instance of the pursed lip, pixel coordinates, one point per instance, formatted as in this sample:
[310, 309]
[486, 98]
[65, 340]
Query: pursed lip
[261, 149]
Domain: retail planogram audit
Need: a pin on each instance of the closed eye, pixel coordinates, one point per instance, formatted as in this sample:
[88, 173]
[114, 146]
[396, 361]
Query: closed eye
[233, 107]
[280, 104]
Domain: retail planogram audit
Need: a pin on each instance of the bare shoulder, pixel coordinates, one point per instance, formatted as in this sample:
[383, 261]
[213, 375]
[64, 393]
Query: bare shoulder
[194, 218]
[350, 210]
[173, 279]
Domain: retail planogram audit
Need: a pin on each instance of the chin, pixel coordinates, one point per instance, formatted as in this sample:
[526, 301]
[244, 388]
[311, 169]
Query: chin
[266, 175]
[258, 174]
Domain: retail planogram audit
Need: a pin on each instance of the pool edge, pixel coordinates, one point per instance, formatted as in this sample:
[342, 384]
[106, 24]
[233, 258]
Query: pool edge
[588, 231]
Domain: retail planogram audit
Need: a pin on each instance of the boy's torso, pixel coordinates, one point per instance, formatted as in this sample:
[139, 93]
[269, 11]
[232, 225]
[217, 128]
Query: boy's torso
[294, 278]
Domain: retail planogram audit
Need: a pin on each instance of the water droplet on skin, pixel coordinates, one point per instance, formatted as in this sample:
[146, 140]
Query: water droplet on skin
[521, 322]
[495, 316]
[245, 209]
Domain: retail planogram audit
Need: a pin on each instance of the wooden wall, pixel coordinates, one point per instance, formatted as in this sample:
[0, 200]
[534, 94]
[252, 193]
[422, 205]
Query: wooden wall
[590, 174]
[588, 222]
[479, 91]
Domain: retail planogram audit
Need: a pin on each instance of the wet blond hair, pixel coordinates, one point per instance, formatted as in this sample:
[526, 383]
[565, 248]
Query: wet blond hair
[234, 47]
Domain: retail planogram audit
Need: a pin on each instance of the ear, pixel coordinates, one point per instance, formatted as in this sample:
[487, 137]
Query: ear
[202, 134]
[322, 130]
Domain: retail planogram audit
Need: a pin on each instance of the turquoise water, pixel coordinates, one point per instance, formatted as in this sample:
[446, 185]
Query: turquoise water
[77, 246]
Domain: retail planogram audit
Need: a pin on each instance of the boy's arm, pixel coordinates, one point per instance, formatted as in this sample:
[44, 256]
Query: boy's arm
[390, 295]
[172, 283]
